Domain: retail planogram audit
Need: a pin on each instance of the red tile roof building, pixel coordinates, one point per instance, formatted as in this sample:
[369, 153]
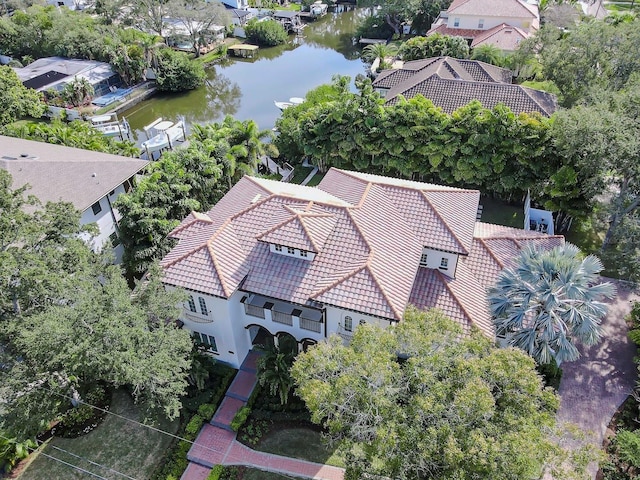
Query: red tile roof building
[310, 262]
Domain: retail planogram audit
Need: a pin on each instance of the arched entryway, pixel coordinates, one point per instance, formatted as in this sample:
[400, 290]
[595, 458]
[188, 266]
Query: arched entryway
[261, 338]
[287, 343]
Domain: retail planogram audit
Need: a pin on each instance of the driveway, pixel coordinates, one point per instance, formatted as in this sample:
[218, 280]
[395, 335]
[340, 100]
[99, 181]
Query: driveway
[594, 386]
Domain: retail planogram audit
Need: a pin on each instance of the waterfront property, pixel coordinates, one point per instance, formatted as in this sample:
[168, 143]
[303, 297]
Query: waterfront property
[502, 23]
[53, 73]
[452, 83]
[91, 181]
[273, 260]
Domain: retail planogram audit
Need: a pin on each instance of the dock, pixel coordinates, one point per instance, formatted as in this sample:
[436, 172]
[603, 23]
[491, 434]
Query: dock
[244, 50]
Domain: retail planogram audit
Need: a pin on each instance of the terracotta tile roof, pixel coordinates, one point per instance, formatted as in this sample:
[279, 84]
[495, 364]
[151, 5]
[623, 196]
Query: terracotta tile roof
[368, 232]
[487, 8]
[503, 36]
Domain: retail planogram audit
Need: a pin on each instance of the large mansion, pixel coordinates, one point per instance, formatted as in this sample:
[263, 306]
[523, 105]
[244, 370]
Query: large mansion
[272, 259]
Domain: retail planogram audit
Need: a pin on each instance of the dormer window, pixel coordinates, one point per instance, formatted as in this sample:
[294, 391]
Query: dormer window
[444, 263]
[456, 22]
[481, 23]
[291, 250]
[278, 248]
[303, 253]
[423, 260]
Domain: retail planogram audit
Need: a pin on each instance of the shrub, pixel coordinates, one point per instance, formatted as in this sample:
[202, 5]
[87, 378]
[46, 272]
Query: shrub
[82, 419]
[176, 73]
[434, 46]
[193, 427]
[216, 473]
[206, 411]
[627, 445]
[240, 418]
[268, 33]
[551, 374]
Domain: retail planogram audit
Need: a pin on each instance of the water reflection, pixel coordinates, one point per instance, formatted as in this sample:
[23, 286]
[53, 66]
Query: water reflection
[247, 88]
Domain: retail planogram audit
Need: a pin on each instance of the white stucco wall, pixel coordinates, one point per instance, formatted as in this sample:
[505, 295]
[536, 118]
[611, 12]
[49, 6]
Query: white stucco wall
[434, 260]
[471, 21]
[336, 320]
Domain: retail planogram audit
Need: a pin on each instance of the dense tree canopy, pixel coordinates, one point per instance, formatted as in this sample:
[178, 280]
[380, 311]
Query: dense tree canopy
[549, 301]
[176, 73]
[435, 45]
[16, 100]
[394, 13]
[69, 320]
[418, 401]
[267, 33]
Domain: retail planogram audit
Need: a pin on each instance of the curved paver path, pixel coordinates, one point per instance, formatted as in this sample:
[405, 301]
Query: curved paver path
[216, 445]
[593, 387]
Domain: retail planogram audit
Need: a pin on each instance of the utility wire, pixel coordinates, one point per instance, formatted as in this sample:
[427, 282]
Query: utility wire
[75, 467]
[93, 463]
[215, 450]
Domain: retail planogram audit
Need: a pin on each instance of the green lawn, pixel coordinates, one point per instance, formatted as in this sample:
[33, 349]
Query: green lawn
[501, 213]
[117, 444]
[300, 173]
[316, 179]
[302, 443]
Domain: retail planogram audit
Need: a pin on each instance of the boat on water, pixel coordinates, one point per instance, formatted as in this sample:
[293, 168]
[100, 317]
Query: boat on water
[283, 105]
[110, 126]
[296, 100]
[318, 9]
[163, 135]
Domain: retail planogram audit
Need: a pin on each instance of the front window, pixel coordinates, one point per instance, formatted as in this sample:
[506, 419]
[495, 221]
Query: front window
[348, 324]
[192, 304]
[203, 306]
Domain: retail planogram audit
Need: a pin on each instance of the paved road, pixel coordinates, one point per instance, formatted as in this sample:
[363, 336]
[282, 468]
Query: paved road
[594, 386]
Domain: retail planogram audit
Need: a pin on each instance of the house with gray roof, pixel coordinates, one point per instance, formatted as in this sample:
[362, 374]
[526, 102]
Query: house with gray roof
[502, 23]
[272, 260]
[91, 181]
[452, 83]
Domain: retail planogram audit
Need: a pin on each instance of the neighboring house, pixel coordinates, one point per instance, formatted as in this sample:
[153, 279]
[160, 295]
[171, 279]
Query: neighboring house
[484, 22]
[273, 259]
[52, 73]
[91, 181]
[239, 4]
[452, 83]
[70, 4]
[177, 33]
[239, 17]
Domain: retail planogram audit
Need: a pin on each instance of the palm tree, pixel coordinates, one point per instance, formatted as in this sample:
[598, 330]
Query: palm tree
[274, 371]
[548, 300]
[379, 50]
[489, 54]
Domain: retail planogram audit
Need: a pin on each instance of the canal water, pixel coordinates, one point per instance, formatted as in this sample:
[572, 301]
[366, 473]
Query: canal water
[247, 89]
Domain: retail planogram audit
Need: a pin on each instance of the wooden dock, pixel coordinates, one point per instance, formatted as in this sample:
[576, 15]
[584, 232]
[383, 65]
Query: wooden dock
[244, 50]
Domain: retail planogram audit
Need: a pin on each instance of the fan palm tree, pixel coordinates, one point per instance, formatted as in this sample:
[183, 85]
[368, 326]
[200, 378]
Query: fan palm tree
[548, 300]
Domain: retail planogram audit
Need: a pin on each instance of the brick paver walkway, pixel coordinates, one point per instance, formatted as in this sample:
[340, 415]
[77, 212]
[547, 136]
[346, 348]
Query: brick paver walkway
[217, 444]
[593, 387]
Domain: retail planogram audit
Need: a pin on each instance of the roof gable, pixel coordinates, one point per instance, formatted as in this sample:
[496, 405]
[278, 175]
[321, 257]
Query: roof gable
[493, 8]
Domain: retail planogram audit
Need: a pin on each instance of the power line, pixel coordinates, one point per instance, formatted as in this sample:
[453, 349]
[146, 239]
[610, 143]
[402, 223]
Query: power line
[93, 463]
[214, 450]
[75, 467]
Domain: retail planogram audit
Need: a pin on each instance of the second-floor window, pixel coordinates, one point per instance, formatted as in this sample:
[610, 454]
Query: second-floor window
[291, 250]
[192, 304]
[303, 253]
[456, 22]
[278, 248]
[423, 260]
[444, 263]
[348, 324]
[203, 306]
[96, 207]
[481, 23]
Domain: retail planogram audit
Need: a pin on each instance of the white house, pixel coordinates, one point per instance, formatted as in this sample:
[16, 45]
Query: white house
[239, 4]
[273, 260]
[91, 181]
[502, 23]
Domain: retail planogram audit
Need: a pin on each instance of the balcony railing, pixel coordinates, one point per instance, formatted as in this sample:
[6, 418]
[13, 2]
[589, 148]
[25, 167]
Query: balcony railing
[284, 318]
[253, 310]
[310, 325]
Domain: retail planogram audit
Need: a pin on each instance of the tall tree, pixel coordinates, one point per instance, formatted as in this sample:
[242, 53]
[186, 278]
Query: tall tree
[102, 333]
[550, 300]
[197, 17]
[17, 100]
[422, 401]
